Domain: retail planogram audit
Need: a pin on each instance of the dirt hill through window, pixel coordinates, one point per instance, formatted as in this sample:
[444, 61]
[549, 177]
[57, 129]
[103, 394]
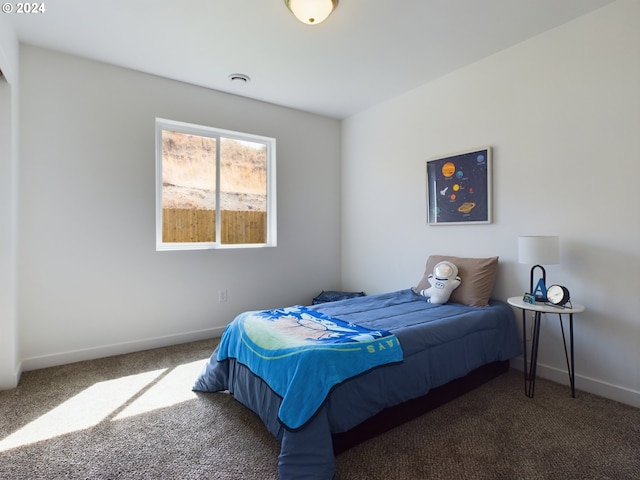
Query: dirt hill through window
[188, 173]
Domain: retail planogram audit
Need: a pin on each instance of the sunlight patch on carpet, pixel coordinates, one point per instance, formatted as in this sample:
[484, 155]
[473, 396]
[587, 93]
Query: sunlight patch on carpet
[84, 410]
[173, 388]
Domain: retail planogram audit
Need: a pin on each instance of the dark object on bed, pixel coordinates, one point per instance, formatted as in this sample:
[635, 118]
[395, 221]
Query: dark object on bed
[395, 416]
[334, 296]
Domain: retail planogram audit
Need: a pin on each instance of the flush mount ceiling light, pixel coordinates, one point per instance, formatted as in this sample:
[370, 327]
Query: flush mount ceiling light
[311, 12]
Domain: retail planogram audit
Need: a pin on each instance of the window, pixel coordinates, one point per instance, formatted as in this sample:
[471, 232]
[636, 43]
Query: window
[214, 188]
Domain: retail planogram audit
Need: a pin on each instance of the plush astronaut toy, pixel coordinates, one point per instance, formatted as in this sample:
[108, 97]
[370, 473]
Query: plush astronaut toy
[443, 280]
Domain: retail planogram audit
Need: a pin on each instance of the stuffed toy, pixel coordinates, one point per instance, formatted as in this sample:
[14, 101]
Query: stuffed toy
[443, 280]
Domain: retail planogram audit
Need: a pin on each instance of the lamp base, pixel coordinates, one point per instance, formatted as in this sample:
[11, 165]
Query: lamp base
[540, 291]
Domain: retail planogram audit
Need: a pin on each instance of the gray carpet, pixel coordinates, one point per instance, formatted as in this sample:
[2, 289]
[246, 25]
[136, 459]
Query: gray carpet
[134, 417]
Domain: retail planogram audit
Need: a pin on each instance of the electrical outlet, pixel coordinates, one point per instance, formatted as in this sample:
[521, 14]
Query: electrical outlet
[222, 295]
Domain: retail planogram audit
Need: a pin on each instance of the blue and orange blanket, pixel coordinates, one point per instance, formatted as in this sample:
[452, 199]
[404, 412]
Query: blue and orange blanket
[302, 354]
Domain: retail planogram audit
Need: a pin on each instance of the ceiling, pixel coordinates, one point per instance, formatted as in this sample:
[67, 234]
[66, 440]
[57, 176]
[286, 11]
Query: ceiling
[366, 52]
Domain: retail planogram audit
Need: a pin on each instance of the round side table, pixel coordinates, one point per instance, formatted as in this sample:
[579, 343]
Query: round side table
[538, 309]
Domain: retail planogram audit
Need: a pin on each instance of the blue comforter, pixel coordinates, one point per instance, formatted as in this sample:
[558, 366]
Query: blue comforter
[439, 342]
[289, 346]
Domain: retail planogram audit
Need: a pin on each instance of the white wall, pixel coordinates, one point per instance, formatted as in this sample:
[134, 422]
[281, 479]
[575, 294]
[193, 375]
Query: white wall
[9, 370]
[91, 282]
[562, 113]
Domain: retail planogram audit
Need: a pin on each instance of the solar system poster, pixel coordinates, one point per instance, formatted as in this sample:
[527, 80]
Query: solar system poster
[459, 188]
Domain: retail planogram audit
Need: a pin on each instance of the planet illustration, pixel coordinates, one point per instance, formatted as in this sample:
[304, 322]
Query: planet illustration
[466, 207]
[448, 169]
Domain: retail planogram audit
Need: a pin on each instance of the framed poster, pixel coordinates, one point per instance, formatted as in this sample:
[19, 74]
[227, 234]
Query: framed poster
[459, 188]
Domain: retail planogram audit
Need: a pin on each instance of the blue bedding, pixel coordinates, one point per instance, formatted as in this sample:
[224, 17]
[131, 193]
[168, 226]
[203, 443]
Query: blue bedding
[439, 342]
[288, 346]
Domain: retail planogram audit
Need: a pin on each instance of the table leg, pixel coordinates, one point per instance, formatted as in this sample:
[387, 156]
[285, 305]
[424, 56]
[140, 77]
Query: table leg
[524, 349]
[570, 366]
[530, 370]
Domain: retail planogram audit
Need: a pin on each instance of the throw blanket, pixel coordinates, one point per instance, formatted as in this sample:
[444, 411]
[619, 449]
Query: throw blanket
[302, 354]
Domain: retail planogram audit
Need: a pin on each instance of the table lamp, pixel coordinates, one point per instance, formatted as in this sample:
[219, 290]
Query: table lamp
[538, 250]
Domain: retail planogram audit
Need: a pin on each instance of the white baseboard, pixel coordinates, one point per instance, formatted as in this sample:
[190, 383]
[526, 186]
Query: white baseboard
[63, 358]
[586, 384]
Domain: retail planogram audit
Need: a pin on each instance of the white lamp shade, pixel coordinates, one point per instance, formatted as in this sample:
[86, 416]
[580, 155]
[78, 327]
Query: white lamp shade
[311, 12]
[539, 250]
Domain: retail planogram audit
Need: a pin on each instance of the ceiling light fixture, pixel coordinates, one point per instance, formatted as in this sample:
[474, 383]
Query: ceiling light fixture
[311, 12]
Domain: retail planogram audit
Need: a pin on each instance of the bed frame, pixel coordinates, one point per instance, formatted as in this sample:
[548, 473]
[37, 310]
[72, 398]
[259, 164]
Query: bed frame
[395, 416]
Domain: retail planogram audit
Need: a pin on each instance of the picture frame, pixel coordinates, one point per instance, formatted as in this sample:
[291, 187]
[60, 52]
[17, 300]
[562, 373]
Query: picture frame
[459, 188]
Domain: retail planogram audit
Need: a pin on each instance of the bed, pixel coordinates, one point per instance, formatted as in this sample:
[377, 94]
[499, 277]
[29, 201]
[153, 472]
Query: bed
[375, 361]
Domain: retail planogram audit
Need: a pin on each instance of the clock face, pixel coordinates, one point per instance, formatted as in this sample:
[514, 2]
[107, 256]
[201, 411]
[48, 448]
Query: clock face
[557, 295]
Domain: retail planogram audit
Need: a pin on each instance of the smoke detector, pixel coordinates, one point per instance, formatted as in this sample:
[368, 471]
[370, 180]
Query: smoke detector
[239, 78]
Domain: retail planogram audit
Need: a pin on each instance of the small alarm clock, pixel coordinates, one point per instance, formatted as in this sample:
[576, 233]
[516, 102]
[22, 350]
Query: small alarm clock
[557, 295]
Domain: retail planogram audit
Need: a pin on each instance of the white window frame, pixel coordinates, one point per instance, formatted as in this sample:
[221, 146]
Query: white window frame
[217, 133]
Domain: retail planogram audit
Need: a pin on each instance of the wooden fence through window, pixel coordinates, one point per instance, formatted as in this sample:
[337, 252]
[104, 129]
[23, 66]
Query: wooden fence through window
[190, 225]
